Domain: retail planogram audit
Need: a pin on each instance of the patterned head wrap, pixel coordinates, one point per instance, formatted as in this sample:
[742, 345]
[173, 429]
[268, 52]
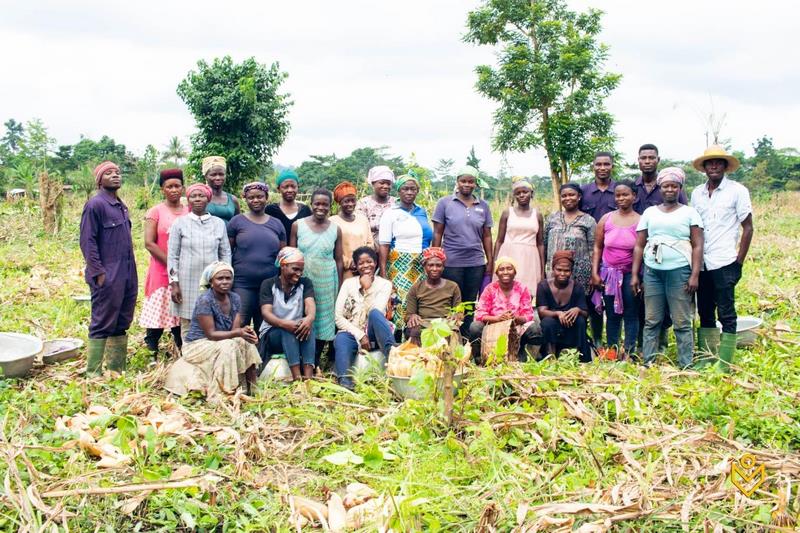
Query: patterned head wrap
[211, 271]
[563, 255]
[518, 182]
[289, 255]
[101, 169]
[343, 190]
[287, 174]
[405, 178]
[211, 162]
[671, 174]
[170, 174]
[505, 260]
[467, 171]
[380, 173]
[199, 187]
[434, 252]
[255, 185]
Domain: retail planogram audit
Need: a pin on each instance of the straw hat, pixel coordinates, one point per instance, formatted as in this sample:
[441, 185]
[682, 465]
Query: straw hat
[716, 151]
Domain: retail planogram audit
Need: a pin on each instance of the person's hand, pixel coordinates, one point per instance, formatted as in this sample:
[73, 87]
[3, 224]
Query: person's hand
[100, 280]
[571, 315]
[693, 283]
[562, 318]
[597, 282]
[366, 281]
[177, 297]
[303, 329]
[248, 334]
[414, 321]
[364, 342]
[489, 268]
[508, 315]
[519, 320]
[636, 285]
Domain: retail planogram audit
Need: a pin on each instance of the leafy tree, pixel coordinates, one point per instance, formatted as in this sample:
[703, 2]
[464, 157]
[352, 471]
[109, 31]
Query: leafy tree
[549, 83]
[328, 170]
[88, 151]
[23, 174]
[15, 132]
[37, 145]
[83, 181]
[175, 151]
[146, 171]
[472, 159]
[240, 113]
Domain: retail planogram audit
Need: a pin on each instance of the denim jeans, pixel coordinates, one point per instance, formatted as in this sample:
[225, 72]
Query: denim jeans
[469, 281]
[662, 288]
[278, 340]
[716, 297]
[630, 315]
[251, 310]
[346, 346]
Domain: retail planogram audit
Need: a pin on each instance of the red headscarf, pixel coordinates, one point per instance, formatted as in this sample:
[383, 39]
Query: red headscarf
[101, 169]
[199, 187]
[563, 255]
[433, 251]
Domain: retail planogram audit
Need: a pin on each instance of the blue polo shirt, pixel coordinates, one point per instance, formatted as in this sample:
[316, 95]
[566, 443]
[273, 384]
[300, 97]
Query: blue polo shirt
[463, 230]
[405, 231]
[597, 203]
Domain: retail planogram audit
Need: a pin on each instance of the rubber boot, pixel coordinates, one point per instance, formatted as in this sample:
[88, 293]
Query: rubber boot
[117, 348]
[727, 351]
[707, 346]
[94, 357]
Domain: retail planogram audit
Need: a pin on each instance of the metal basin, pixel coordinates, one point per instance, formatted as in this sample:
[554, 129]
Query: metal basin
[17, 353]
[366, 360]
[57, 350]
[746, 330]
[404, 389]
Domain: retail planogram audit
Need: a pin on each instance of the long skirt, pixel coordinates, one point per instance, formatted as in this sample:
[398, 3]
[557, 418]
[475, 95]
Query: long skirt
[157, 311]
[212, 367]
[404, 270]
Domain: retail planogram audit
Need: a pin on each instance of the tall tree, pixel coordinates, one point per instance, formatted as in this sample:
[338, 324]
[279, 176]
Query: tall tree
[328, 170]
[15, 132]
[37, 145]
[549, 82]
[175, 151]
[240, 113]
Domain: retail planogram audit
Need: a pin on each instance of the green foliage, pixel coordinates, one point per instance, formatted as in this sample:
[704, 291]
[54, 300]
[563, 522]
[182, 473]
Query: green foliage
[549, 84]
[240, 113]
[328, 170]
[175, 152]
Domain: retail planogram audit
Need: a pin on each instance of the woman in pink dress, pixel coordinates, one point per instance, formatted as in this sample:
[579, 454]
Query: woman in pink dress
[520, 236]
[156, 315]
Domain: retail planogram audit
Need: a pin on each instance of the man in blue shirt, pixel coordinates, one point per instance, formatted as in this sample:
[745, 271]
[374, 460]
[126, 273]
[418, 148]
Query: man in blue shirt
[648, 193]
[597, 197]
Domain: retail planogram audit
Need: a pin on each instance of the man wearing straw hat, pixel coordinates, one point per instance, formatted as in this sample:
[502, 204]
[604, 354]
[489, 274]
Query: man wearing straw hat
[724, 206]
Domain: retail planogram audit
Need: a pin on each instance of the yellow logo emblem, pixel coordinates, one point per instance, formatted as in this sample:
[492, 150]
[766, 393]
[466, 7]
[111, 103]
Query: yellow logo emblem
[747, 475]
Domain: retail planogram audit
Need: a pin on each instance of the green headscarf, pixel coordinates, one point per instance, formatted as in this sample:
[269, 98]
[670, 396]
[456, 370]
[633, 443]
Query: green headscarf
[405, 178]
[287, 174]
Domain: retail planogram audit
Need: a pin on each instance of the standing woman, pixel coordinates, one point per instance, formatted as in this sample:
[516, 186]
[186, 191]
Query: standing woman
[195, 241]
[523, 225]
[156, 311]
[570, 229]
[373, 206]
[354, 225]
[612, 263]
[223, 205]
[404, 234]
[288, 209]
[670, 241]
[320, 242]
[462, 225]
[256, 238]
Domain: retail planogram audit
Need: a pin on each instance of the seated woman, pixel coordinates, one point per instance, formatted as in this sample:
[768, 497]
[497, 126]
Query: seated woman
[506, 299]
[287, 306]
[562, 307]
[430, 297]
[217, 352]
[361, 314]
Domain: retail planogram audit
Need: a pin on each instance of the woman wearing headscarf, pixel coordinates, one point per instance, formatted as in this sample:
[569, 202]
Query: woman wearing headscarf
[430, 297]
[520, 235]
[561, 303]
[506, 299]
[195, 241]
[354, 225]
[255, 239]
[462, 225]
[156, 311]
[320, 240]
[670, 242]
[287, 305]
[612, 262]
[218, 353]
[223, 204]
[373, 206]
[288, 210]
[572, 229]
[403, 235]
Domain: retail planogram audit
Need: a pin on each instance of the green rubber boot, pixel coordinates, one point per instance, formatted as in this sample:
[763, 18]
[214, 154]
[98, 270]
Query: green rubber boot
[707, 346]
[94, 356]
[727, 350]
[117, 348]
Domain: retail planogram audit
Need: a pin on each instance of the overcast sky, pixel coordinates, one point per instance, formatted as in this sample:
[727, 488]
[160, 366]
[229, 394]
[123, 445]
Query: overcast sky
[366, 73]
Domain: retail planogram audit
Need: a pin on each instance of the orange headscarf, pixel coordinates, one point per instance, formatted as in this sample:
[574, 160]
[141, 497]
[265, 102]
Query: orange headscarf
[342, 190]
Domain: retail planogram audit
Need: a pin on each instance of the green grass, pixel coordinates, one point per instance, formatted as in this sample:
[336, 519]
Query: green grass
[555, 432]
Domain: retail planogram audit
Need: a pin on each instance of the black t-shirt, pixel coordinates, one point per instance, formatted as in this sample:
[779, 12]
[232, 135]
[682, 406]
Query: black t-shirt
[545, 298]
[274, 210]
[285, 304]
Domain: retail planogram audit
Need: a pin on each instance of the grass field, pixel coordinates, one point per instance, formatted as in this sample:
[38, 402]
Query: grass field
[556, 446]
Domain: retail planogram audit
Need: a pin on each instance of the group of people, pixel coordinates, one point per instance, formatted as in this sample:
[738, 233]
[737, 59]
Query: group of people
[238, 280]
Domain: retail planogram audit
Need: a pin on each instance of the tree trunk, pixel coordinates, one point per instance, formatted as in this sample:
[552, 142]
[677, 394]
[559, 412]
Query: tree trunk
[50, 193]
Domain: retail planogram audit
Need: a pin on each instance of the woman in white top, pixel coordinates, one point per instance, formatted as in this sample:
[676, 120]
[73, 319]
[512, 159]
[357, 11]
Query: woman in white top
[361, 309]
